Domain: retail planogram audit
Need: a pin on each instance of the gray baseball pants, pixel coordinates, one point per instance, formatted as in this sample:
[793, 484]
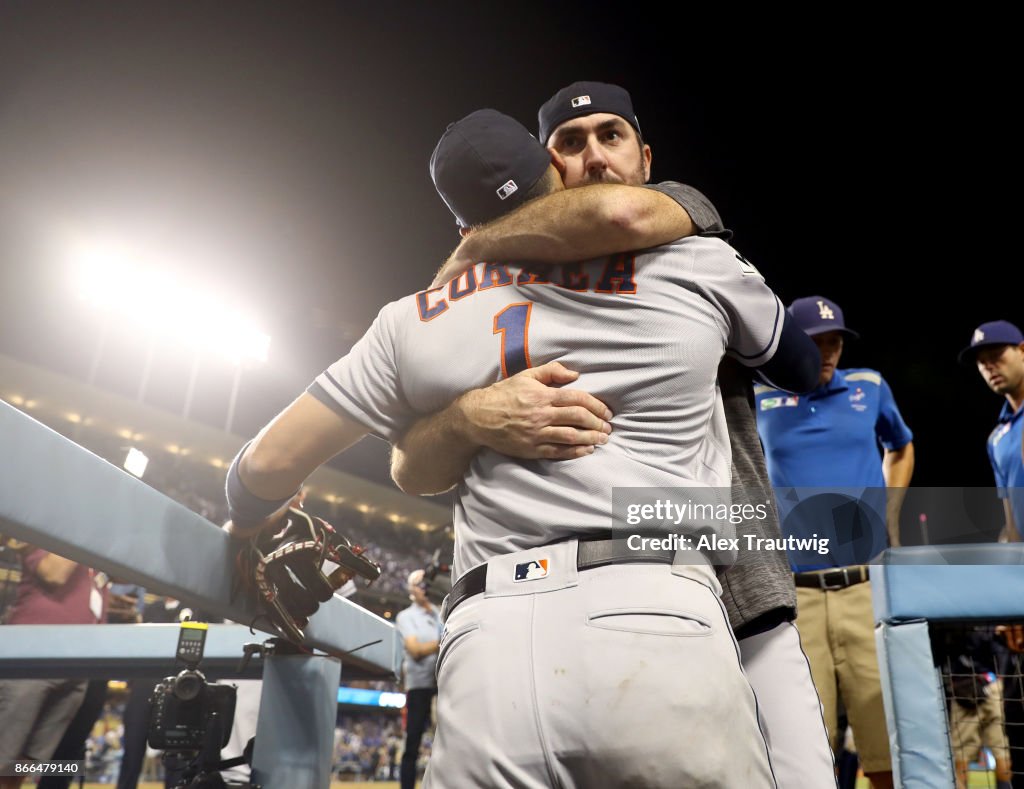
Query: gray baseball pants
[789, 709]
[625, 675]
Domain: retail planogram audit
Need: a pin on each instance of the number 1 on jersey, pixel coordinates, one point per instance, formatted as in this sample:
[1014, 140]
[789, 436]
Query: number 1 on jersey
[513, 323]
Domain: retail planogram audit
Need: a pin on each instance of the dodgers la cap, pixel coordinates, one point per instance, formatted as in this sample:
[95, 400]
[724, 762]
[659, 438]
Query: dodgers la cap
[991, 333]
[585, 98]
[484, 165]
[817, 315]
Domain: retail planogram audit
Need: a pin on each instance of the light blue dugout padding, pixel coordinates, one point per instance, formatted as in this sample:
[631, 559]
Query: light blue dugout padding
[61, 497]
[915, 708]
[119, 651]
[910, 587]
[970, 582]
[295, 731]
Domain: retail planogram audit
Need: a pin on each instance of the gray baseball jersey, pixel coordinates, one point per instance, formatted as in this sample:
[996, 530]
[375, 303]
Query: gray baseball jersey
[646, 330]
[759, 583]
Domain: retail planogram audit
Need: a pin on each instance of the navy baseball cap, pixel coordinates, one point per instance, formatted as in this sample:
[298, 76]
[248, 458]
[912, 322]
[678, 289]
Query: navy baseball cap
[991, 333]
[585, 98]
[817, 315]
[484, 165]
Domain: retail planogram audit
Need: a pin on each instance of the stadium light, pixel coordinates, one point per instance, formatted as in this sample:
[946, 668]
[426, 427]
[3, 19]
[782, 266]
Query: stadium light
[112, 280]
[136, 462]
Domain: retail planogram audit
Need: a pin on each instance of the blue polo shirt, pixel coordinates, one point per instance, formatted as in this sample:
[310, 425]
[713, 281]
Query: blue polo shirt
[825, 464]
[1004, 453]
[426, 625]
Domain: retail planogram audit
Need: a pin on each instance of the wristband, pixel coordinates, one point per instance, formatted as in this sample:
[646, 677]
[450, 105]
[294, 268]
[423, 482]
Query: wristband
[245, 508]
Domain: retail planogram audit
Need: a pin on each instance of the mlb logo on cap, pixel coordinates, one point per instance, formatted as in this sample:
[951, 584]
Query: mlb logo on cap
[506, 189]
[990, 334]
[479, 163]
[584, 98]
[532, 570]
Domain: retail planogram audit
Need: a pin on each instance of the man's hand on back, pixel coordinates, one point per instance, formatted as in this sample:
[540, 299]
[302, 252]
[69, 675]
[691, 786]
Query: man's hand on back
[527, 416]
[530, 416]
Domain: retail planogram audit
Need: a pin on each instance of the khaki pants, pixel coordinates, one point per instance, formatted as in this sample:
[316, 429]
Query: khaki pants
[837, 631]
[984, 725]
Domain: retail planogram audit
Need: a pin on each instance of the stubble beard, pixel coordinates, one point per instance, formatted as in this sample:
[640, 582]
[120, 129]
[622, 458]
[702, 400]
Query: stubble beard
[634, 178]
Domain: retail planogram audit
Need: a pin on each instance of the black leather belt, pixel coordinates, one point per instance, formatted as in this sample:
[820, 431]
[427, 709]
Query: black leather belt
[589, 554]
[832, 580]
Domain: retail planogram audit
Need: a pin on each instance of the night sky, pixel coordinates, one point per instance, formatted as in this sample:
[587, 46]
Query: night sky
[279, 152]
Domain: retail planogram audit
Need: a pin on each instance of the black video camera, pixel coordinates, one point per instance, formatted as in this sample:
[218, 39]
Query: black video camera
[437, 579]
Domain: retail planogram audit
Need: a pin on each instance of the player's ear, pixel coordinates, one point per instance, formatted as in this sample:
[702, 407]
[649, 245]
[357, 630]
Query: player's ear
[646, 154]
[558, 162]
[465, 231]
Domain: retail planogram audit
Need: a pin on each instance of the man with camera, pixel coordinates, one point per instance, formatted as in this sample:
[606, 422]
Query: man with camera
[420, 626]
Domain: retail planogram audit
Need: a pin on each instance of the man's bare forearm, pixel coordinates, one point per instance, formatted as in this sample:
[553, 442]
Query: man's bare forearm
[434, 454]
[576, 224]
[897, 468]
[581, 223]
[1010, 532]
[275, 464]
[420, 649]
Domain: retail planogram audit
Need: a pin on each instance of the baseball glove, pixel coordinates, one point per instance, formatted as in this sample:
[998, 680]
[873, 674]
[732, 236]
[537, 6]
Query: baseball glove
[294, 570]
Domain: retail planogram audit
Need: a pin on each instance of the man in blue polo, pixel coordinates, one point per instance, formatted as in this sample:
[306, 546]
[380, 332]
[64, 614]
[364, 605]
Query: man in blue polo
[997, 348]
[840, 459]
